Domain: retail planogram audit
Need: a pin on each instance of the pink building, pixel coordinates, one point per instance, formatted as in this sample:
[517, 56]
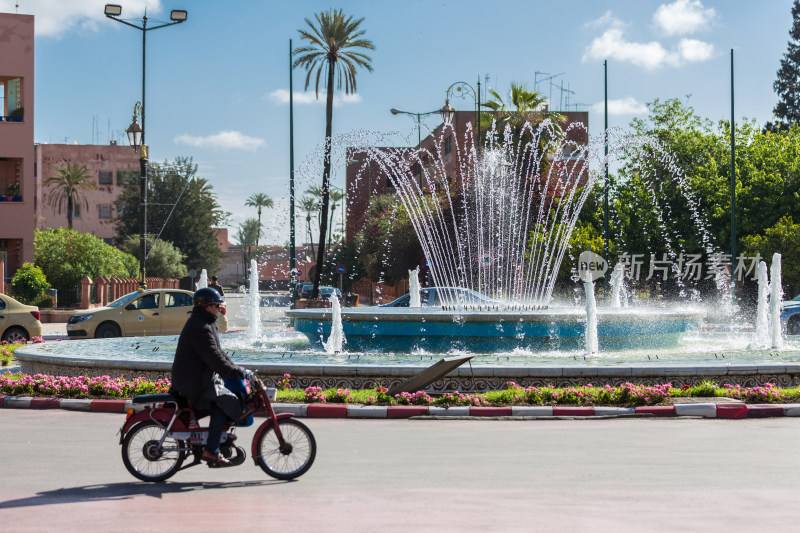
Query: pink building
[109, 166]
[17, 200]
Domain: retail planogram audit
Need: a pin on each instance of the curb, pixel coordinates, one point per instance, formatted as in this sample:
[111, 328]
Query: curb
[702, 410]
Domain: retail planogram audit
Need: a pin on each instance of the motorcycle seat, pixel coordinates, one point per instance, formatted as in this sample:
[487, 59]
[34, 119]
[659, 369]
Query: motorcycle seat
[154, 398]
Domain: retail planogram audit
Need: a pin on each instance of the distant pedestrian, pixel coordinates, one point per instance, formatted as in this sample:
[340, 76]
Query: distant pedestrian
[215, 285]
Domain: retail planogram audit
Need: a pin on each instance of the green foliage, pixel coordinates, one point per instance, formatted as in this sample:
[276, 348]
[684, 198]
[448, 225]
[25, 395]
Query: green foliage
[782, 238]
[388, 244]
[163, 260]
[66, 256]
[29, 283]
[788, 107]
[190, 226]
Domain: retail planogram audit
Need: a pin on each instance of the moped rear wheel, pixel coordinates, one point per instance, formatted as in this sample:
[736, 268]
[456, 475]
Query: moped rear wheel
[291, 460]
[145, 459]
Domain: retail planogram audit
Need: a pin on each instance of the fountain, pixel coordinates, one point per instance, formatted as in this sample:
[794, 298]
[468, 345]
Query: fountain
[413, 288]
[775, 298]
[253, 304]
[521, 334]
[202, 281]
[500, 227]
[591, 315]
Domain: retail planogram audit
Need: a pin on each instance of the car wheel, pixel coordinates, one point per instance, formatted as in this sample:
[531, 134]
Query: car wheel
[107, 330]
[15, 335]
[793, 325]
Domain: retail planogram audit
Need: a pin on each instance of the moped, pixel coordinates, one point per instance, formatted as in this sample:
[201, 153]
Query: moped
[161, 432]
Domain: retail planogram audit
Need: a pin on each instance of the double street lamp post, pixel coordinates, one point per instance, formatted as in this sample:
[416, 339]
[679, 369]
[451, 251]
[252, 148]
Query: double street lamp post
[135, 132]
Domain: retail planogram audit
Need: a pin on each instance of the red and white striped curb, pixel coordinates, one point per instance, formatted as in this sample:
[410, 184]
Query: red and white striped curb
[315, 410]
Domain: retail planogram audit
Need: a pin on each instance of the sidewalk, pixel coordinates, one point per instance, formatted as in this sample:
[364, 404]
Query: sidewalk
[54, 330]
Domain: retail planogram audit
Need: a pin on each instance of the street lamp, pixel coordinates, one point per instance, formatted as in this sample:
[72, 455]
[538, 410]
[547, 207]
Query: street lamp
[419, 116]
[135, 136]
[177, 16]
[460, 89]
[136, 133]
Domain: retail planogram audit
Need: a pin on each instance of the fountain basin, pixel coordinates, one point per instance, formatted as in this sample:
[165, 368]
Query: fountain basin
[482, 331]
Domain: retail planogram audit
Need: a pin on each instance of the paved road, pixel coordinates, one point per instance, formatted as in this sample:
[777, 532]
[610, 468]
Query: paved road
[63, 469]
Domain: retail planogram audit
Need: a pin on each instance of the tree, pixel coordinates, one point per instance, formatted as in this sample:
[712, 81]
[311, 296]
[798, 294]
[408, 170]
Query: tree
[247, 237]
[787, 84]
[163, 259]
[783, 238]
[259, 200]
[336, 197]
[334, 43]
[66, 256]
[524, 108]
[388, 245]
[190, 227]
[309, 204]
[29, 283]
[69, 188]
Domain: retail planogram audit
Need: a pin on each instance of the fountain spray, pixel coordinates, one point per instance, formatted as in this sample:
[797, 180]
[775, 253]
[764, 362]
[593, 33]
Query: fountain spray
[775, 299]
[592, 346]
[254, 301]
[413, 288]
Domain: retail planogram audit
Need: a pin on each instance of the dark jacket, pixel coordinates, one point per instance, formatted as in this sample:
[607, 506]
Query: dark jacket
[217, 287]
[197, 357]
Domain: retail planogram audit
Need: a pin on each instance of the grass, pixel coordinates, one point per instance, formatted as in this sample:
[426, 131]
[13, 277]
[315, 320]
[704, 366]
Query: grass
[7, 352]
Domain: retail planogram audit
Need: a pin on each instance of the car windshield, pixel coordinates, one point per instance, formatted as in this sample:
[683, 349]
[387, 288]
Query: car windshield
[119, 302]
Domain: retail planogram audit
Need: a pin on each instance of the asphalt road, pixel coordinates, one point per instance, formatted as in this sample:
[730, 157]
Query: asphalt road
[61, 470]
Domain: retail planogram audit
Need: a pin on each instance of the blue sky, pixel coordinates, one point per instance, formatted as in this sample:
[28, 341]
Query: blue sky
[217, 84]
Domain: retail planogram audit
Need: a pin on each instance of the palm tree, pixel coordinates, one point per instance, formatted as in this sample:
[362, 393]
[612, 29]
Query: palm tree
[309, 204]
[247, 236]
[259, 200]
[70, 185]
[334, 43]
[523, 106]
[336, 197]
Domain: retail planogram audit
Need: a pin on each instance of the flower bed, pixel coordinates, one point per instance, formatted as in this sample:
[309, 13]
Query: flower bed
[627, 394]
[7, 349]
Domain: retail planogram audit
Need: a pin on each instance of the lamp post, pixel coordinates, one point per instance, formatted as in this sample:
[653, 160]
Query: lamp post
[135, 136]
[419, 116]
[460, 89]
[136, 133]
[113, 11]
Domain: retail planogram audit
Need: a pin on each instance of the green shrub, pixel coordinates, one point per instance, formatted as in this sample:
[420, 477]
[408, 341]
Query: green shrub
[45, 301]
[29, 283]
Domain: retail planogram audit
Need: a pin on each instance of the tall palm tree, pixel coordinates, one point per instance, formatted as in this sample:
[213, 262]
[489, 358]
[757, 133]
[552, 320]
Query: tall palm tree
[259, 200]
[247, 236]
[70, 187]
[335, 43]
[336, 197]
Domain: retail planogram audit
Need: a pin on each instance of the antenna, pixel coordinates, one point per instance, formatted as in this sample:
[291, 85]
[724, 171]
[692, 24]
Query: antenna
[549, 78]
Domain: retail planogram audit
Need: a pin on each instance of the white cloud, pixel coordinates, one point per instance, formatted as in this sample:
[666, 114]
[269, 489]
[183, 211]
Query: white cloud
[56, 17]
[281, 96]
[612, 44]
[224, 140]
[622, 106]
[694, 50]
[607, 20]
[683, 16]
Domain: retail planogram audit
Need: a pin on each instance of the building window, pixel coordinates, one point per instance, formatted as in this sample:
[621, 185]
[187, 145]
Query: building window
[120, 211]
[105, 210]
[448, 145]
[105, 177]
[127, 177]
[76, 210]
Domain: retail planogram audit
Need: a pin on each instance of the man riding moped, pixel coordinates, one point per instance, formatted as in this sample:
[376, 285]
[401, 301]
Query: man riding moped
[200, 368]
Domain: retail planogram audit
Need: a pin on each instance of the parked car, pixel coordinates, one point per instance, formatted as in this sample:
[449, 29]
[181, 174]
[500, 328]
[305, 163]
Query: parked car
[18, 322]
[304, 290]
[152, 312]
[438, 296]
[790, 316]
[326, 292]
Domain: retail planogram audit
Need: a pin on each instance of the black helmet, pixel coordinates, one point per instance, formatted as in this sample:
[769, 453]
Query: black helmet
[206, 296]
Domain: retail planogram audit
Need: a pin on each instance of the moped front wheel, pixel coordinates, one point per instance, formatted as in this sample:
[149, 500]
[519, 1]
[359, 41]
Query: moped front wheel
[294, 457]
[145, 459]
